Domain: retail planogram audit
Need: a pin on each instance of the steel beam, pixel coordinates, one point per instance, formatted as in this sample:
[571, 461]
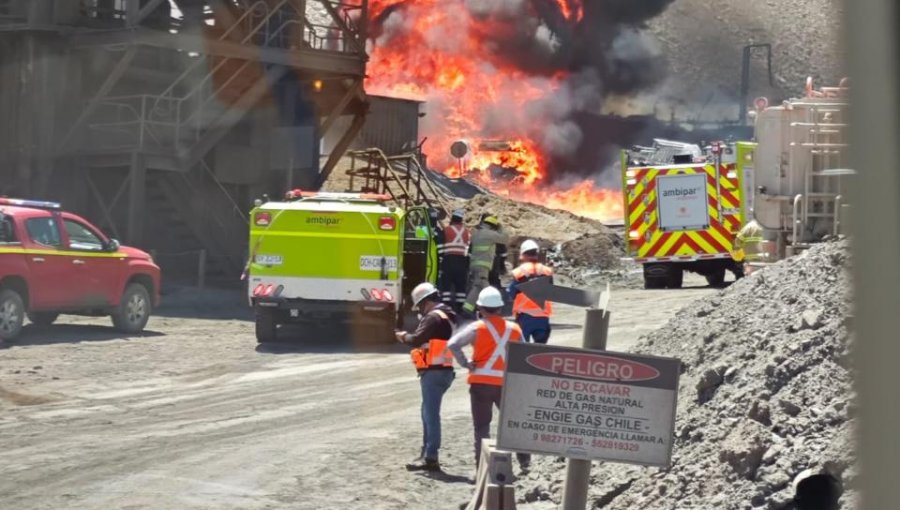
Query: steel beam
[313, 60]
[355, 90]
[114, 76]
[135, 14]
[136, 198]
[105, 209]
[341, 147]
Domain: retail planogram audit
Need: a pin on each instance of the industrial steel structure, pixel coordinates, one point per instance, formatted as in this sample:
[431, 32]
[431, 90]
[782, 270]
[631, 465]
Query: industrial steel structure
[163, 119]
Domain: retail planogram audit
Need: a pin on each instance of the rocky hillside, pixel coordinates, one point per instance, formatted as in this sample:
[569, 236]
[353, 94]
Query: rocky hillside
[765, 397]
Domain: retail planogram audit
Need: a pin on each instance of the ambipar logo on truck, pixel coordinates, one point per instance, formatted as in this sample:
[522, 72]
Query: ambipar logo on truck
[324, 221]
[682, 192]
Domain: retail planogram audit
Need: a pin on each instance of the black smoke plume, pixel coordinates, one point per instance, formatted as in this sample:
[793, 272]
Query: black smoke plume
[606, 51]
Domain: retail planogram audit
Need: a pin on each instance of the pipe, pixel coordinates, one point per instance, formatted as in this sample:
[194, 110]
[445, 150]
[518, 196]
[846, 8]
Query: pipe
[795, 233]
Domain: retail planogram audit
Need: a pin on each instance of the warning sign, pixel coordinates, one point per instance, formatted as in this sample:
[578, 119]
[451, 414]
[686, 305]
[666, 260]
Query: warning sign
[586, 404]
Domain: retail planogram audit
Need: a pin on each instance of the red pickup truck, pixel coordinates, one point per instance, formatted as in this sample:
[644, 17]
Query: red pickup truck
[53, 262]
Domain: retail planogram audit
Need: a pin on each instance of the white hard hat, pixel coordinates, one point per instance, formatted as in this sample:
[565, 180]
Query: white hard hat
[529, 245]
[422, 291]
[489, 297]
[458, 213]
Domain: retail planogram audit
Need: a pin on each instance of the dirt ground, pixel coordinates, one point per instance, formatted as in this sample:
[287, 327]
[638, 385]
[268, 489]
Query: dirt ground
[193, 414]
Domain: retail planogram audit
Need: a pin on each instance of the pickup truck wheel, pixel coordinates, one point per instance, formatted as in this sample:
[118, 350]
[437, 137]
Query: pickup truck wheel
[266, 325]
[42, 318]
[12, 314]
[133, 312]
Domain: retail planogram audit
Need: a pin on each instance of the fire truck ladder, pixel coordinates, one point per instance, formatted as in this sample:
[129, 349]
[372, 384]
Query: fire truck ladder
[401, 177]
[823, 134]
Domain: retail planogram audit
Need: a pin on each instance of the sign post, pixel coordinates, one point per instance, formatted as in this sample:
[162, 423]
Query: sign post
[586, 404]
[578, 471]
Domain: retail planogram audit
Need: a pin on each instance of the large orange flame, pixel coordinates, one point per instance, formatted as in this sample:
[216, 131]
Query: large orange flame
[431, 50]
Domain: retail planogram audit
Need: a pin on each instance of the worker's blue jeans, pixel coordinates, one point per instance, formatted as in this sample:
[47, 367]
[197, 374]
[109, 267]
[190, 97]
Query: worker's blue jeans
[434, 384]
[534, 329]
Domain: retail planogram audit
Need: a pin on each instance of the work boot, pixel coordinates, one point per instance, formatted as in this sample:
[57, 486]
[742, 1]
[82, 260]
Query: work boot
[424, 465]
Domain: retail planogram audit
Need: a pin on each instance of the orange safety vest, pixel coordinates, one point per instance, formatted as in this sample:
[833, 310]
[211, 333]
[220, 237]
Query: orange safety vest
[522, 303]
[433, 353]
[456, 240]
[491, 336]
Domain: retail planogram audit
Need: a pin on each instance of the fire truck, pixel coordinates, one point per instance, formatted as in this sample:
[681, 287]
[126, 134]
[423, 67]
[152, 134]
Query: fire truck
[684, 206]
[353, 255]
[318, 255]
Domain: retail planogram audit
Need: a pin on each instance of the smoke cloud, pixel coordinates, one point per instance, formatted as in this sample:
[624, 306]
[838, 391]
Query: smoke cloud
[577, 52]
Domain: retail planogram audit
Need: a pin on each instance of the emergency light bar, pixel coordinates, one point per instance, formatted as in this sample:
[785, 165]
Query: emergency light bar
[36, 204]
[330, 195]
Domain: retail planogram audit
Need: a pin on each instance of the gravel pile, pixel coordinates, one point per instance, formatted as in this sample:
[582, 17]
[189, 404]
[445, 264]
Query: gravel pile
[765, 397]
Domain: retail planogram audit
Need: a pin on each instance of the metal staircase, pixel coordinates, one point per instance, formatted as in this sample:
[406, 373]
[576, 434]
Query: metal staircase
[170, 94]
[213, 93]
[401, 177]
[183, 230]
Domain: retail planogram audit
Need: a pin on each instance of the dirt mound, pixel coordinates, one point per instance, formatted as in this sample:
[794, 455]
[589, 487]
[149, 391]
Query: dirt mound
[766, 396]
[599, 251]
[524, 220]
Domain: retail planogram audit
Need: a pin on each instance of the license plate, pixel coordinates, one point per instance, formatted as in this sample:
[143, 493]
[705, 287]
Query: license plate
[269, 260]
[373, 263]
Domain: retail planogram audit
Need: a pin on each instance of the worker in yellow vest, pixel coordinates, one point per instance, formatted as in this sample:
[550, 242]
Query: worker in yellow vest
[487, 241]
[488, 337]
[434, 366]
[749, 244]
[533, 319]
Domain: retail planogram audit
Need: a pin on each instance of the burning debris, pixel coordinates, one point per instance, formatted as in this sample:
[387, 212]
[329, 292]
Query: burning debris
[524, 72]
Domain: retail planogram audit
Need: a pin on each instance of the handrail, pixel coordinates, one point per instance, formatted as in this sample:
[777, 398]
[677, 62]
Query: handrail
[412, 160]
[414, 177]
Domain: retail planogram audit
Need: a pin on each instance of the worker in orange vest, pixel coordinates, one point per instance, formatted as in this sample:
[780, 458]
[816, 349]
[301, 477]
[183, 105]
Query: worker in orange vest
[453, 249]
[533, 319]
[434, 366]
[488, 337]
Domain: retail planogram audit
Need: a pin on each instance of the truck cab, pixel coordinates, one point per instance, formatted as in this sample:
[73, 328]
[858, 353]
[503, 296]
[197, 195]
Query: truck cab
[54, 262]
[354, 256]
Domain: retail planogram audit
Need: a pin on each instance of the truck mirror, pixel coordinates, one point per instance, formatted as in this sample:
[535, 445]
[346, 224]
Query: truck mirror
[113, 245]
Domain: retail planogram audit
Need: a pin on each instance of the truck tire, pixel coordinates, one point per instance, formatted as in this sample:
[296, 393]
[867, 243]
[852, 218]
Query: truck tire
[716, 278]
[266, 325]
[42, 318]
[12, 314]
[656, 276]
[676, 278]
[134, 308]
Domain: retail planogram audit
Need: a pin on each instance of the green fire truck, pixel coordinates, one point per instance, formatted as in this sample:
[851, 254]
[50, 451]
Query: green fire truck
[337, 256]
